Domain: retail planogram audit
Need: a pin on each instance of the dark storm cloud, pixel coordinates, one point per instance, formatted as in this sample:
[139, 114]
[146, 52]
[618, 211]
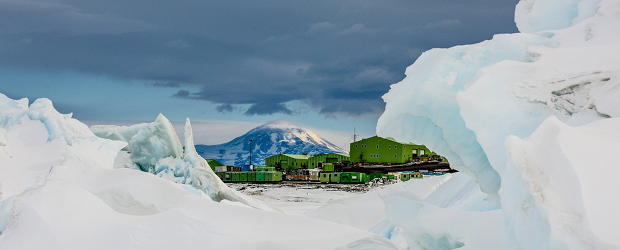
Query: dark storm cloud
[181, 94]
[224, 108]
[339, 57]
[268, 109]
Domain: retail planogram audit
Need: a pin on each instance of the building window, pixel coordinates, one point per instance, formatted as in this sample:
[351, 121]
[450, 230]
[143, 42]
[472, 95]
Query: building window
[377, 145]
[390, 146]
[355, 145]
[395, 146]
[395, 156]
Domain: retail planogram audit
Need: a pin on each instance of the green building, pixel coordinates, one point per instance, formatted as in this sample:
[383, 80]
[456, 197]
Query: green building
[286, 161]
[327, 158]
[385, 150]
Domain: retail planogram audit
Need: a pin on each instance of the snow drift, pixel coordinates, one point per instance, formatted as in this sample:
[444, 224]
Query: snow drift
[559, 76]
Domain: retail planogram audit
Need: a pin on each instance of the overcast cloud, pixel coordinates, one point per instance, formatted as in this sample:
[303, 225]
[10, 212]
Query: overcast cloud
[338, 57]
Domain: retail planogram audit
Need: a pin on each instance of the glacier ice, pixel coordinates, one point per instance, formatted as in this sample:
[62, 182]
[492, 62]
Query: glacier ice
[425, 95]
[540, 15]
[556, 84]
[147, 142]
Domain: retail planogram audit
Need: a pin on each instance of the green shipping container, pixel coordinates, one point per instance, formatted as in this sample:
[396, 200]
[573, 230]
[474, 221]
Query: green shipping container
[220, 175]
[325, 177]
[227, 176]
[365, 177]
[260, 176]
[390, 176]
[356, 178]
[405, 177]
[277, 176]
[345, 177]
[235, 176]
[273, 176]
[243, 176]
[335, 178]
[372, 176]
[251, 176]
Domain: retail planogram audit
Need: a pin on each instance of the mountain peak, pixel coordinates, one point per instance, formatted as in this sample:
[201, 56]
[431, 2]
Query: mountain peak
[274, 137]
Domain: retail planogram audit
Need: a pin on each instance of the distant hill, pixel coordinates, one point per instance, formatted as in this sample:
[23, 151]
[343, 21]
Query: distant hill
[267, 140]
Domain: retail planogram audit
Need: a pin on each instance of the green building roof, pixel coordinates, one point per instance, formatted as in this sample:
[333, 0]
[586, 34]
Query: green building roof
[214, 163]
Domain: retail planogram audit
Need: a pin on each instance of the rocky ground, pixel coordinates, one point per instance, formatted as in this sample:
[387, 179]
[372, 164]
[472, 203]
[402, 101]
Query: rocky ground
[256, 188]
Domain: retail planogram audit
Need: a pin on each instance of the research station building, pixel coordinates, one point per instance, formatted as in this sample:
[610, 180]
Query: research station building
[314, 160]
[287, 161]
[385, 150]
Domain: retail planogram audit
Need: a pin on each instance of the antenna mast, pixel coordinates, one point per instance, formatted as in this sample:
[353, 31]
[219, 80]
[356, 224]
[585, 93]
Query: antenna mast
[354, 135]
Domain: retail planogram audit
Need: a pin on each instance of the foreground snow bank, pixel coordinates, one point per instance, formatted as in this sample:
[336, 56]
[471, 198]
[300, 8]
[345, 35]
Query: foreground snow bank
[59, 190]
[463, 102]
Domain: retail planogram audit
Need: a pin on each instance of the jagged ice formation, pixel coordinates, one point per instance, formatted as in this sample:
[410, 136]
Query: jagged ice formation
[464, 102]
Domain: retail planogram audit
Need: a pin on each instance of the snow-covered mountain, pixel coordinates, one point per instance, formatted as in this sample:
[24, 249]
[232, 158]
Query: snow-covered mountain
[269, 139]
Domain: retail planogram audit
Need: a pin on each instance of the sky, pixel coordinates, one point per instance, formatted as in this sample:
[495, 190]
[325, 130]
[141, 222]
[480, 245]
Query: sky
[231, 65]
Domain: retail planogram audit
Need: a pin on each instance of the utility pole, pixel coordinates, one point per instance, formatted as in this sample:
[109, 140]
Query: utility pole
[250, 151]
